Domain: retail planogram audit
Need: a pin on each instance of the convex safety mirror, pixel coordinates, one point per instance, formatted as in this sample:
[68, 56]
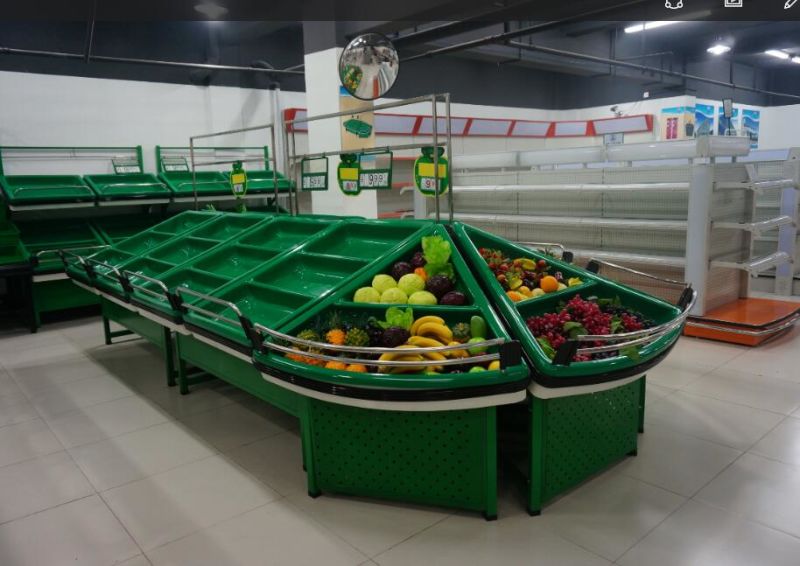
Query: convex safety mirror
[368, 66]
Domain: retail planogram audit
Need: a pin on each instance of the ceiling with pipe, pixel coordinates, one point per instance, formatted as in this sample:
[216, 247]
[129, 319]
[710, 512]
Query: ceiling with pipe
[483, 53]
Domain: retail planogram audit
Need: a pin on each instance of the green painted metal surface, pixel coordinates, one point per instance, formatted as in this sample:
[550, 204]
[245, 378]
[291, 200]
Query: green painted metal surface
[236, 372]
[144, 327]
[573, 438]
[45, 189]
[445, 458]
[126, 186]
[339, 302]
[43, 238]
[182, 183]
[263, 181]
[60, 294]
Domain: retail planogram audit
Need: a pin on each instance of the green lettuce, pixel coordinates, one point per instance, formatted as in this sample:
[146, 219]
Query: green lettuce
[397, 316]
[436, 251]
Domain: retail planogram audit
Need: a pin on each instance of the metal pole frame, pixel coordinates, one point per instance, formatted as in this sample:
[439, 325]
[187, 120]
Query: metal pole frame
[291, 151]
[267, 159]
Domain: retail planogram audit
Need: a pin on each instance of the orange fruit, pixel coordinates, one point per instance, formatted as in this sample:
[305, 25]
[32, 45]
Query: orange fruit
[549, 284]
[516, 297]
[335, 365]
[359, 368]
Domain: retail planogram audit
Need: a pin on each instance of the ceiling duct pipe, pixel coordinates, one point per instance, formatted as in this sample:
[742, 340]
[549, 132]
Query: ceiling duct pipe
[135, 61]
[643, 68]
[529, 30]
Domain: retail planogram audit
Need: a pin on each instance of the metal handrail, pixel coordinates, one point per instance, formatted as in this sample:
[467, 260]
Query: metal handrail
[22, 188]
[216, 316]
[131, 275]
[376, 350]
[70, 250]
[123, 184]
[634, 271]
[387, 363]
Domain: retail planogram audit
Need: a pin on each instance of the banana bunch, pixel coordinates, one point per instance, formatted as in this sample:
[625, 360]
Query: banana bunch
[432, 327]
[399, 356]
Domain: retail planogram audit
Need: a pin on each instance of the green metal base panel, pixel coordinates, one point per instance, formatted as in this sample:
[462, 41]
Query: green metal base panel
[60, 294]
[573, 438]
[445, 458]
[144, 327]
[237, 372]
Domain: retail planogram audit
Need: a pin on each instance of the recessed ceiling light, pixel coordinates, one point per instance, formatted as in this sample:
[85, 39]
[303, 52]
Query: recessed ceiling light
[718, 49]
[650, 25]
[777, 53]
[210, 9]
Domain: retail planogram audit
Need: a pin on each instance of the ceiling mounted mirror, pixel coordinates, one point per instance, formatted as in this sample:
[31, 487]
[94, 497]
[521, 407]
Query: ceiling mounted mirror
[368, 66]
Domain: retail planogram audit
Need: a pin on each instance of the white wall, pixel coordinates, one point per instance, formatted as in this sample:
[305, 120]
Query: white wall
[54, 110]
[61, 110]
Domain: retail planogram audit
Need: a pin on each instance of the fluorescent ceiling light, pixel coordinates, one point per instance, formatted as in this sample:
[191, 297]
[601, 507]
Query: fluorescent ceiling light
[718, 49]
[651, 25]
[777, 53]
[795, 59]
[210, 10]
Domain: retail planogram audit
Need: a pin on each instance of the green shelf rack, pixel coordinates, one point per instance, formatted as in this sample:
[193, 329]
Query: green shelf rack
[46, 190]
[119, 188]
[582, 416]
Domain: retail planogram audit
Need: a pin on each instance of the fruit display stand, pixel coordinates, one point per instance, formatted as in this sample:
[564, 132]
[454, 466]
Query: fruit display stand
[206, 171]
[417, 437]
[56, 208]
[584, 415]
[119, 188]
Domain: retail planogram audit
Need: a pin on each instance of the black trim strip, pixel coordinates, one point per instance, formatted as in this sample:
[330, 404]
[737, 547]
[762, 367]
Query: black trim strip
[452, 394]
[607, 377]
[242, 349]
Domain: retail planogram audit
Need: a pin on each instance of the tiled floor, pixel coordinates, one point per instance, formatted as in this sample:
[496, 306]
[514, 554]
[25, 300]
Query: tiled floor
[101, 464]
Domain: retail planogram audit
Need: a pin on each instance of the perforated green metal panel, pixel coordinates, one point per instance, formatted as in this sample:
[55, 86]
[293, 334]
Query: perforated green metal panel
[576, 437]
[445, 458]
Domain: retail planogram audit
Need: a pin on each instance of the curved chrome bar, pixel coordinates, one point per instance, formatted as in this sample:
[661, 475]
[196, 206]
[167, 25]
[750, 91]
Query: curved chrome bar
[788, 323]
[636, 272]
[389, 363]
[376, 350]
[232, 306]
[131, 275]
[71, 251]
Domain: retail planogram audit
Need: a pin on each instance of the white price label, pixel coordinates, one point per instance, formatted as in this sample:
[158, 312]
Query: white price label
[176, 167]
[378, 179]
[128, 169]
[311, 182]
[350, 187]
[238, 189]
[427, 184]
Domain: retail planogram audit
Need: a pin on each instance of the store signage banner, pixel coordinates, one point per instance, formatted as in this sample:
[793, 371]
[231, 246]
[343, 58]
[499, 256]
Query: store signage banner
[727, 126]
[751, 126]
[704, 119]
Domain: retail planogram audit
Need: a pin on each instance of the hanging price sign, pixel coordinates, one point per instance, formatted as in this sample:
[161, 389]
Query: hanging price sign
[428, 180]
[126, 166]
[375, 170]
[314, 174]
[348, 174]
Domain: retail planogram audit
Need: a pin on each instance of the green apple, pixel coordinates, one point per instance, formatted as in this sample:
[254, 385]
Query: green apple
[367, 295]
[394, 296]
[422, 298]
[383, 282]
[411, 283]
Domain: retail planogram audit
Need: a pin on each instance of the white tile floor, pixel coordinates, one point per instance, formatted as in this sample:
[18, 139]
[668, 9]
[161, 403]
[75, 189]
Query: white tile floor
[101, 464]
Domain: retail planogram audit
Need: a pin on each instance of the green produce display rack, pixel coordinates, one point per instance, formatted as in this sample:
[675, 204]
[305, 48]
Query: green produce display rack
[175, 170]
[227, 293]
[82, 213]
[583, 416]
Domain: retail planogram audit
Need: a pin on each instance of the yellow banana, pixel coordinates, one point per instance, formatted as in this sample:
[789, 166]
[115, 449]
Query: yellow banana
[408, 369]
[457, 353]
[439, 331]
[424, 342]
[423, 320]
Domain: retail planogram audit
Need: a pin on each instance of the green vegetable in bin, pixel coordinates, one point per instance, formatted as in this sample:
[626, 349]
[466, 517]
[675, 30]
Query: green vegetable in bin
[396, 316]
[477, 326]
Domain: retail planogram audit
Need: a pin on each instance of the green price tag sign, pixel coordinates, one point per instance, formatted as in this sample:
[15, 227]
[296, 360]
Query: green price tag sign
[314, 174]
[375, 170]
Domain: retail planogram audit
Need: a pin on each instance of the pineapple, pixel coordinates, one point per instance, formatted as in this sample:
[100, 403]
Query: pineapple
[356, 337]
[462, 332]
[310, 335]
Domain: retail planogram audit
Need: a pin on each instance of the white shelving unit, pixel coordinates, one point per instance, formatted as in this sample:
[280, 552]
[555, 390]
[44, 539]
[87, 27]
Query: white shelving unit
[699, 210]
